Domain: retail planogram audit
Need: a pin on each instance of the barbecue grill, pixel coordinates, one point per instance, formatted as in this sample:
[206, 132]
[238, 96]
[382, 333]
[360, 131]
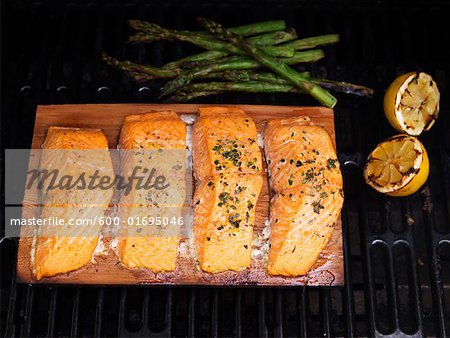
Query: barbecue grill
[397, 251]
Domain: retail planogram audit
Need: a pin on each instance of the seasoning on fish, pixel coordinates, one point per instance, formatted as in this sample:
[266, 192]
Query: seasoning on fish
[73, 152]
[225, 140]
[227, 164]
[305, 177]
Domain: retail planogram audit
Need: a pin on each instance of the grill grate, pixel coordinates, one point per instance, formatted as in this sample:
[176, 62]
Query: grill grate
[397, 272]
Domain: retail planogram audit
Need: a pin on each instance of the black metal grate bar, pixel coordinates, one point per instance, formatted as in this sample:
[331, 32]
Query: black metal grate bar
[397, 252]
[262, 314]
[348, 294]
[52, 313]
[436, 286]
[192, 313]
[75, 311]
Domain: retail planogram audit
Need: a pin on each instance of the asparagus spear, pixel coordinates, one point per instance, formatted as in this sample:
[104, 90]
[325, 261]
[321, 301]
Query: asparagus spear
[248, 75]
[135, 69]
[344, 87]
[198, 38]
[208, 55]
[259, 27]
[196, 90]
[268, 39]
[232, 64]
[184, 97]
[269, 87]
[274, 38]
[313, 42]
[250, 86]
[279, 67]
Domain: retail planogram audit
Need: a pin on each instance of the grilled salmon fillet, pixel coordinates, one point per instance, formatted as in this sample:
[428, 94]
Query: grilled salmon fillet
[305, 177]
[149, 140]
[224, 215]
[72, 152]
[227, 164]
[225, 139]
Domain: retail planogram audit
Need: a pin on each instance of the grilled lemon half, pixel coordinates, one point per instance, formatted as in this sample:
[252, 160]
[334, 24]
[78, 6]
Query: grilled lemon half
[411, 103]
[398, 166]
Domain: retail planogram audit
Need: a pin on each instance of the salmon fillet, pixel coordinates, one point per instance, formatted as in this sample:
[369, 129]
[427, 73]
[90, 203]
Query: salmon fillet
[56, 249]
[227, 164]
[299, 154]
[304, 173]
[224, 215]
[224, 139]
[149, 140]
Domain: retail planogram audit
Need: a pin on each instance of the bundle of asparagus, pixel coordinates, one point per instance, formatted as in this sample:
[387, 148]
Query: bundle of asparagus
[231, 59]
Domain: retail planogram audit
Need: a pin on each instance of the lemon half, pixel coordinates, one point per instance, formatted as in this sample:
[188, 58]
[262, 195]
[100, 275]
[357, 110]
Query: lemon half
[411, 103]
[398, 166]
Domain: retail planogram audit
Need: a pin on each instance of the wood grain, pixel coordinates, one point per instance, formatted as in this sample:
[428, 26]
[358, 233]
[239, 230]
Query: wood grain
[107, 270]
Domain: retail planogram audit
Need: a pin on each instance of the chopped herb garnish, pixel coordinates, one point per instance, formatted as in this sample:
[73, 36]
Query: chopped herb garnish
[224, 197]
[239, 189]
[331, 163]
[234, 221]
[309, 176]
[317, 206]
[232, 155]
[228, 150]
